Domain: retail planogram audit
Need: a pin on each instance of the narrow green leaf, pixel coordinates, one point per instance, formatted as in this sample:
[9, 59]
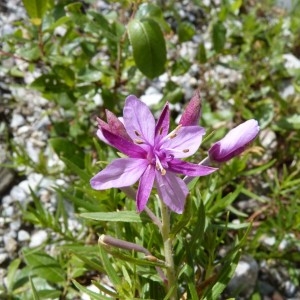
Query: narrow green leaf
[34, 291]
[149, 48]
[218, 36]
[65, 148]
[120, 216]
[112, 274]
[93, 295]
[44, 266]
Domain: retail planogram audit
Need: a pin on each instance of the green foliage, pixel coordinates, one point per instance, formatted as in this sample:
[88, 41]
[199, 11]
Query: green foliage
[88, 60]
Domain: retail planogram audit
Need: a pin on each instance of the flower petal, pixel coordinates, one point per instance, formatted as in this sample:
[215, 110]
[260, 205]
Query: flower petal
[172, 190]
[145, 187]
[121, 172]
[125, 146]
[185, 143]
[139, 121]
[162, 124]
[189, 169]
[234, 142]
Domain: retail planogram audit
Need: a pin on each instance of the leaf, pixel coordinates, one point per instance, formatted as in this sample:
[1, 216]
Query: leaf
[11, 273]
[218, 36]
[186, 31]
[120, 216]
[34, 291]
[149, 48]
[66, 149]
[35, 9]
[93, 295]
[112, 274]
[201, 54]
[44, 266]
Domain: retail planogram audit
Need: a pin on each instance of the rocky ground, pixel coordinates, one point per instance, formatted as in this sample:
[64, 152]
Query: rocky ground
[23, 121]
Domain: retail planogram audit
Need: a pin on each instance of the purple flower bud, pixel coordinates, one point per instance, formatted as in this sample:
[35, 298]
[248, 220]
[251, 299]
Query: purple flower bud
[113, 125]
[192, 112]
[234, 142]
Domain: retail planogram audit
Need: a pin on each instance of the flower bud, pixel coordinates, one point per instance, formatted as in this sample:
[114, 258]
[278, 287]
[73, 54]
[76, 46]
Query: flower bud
[234, 142]
[192, 112]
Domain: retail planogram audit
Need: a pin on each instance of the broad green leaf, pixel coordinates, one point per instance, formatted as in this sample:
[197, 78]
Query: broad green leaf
[36, 9]
[44, 266]
[154, 12]
[148, 45]
[218, 36]
[66, 149]
[186, 31]
[180, 66]
[120, 216]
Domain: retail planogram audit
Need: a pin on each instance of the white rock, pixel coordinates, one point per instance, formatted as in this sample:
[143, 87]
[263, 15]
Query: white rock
[3, 257]
[291, 61]
[23, 236]
[152, 96]
[38, 238]
[17, 121]
[15, 225]
[10, 244]
[8, 211]
[18, 194]
[7, 200]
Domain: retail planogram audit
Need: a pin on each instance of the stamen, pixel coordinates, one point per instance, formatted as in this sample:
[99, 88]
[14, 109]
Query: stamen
[139, 142]
[173, 133]
[159, 166]
[137, 133]
[186, 150]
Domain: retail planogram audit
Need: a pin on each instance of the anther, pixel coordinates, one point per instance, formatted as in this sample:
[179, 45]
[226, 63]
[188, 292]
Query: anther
[139, 142]
[160, 130]
[186, 150]
[137, 133]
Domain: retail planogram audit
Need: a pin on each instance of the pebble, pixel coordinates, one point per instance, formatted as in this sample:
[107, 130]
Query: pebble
[23, 236]
[18, 194]
[244, 279]
[152, 96]
[38, 238]
[3, 257]
[17, 121]
[10, 244]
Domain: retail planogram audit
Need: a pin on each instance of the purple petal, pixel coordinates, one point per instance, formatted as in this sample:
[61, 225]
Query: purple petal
[125, 146]
[185, 143]
[172, 190]
[189, 169]
[234, 142]
[145, 187]
[162, 125]
[121, 172]
[139, 121]
[192, 112]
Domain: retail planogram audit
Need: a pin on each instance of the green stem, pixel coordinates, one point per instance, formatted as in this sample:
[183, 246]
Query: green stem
[168, 249]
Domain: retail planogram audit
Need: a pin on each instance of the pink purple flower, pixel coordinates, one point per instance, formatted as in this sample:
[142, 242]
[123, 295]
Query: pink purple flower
[234, 142]
[153, 154]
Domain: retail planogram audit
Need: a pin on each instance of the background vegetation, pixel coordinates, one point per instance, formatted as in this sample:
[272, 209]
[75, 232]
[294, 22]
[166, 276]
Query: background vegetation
[83, 58]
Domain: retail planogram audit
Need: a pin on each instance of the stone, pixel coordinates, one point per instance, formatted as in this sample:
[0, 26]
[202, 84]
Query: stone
[23, 236]
[38, 238]
[17, 121]
[244, 279]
